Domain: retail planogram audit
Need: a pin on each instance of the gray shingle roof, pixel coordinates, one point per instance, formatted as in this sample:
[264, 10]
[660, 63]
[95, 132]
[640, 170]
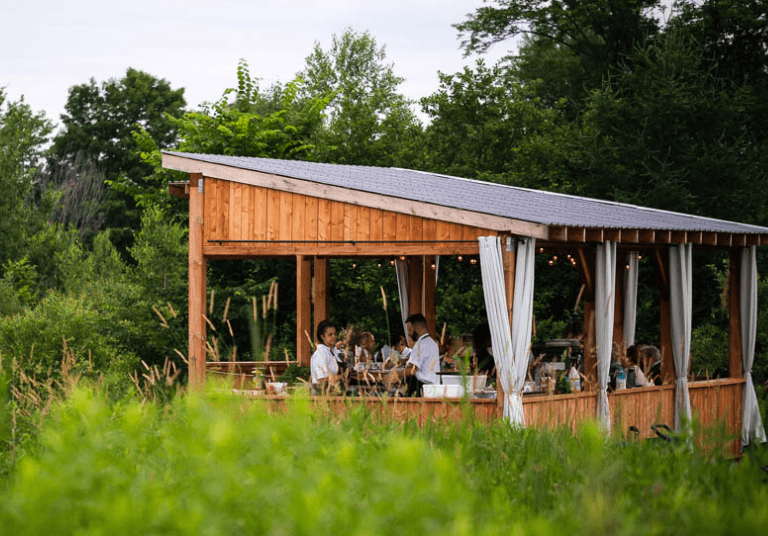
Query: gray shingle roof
[488, 198]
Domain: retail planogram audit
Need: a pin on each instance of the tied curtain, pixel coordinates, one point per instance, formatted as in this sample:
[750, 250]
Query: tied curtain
[630, 298]
[605, 298]
[751, 423]
[510, 346]
[681, 300]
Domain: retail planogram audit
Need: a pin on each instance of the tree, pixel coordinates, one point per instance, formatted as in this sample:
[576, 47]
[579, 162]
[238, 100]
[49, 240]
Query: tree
[98, 123]
[486, 123]
[367, 121]
[601, 33]
[23, 135]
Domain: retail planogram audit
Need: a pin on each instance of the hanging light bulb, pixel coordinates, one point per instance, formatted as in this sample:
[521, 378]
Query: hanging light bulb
[378, 264]
[460, 258]
[472, 261]
[541, 250]
[392, 262]
[554, 258]
[354, 265]
[551, 262]
[402, 257]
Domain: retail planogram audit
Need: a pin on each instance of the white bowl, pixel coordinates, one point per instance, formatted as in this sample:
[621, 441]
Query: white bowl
[442, 391]
[456, 379]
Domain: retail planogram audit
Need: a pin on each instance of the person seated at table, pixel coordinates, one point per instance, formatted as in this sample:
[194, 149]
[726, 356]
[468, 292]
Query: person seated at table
[396, 352]
[423, 365]
[482, 351]
[650, 361]
[635, 375]
[324, 368]
[367, 343]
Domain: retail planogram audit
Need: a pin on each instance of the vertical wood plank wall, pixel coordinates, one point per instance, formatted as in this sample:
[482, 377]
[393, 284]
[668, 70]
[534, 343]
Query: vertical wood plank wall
[236, 211]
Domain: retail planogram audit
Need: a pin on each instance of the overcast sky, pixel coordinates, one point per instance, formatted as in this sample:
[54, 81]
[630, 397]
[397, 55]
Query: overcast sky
[47, 46]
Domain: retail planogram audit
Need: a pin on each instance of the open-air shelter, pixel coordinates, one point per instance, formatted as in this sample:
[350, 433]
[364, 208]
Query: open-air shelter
[242, 208]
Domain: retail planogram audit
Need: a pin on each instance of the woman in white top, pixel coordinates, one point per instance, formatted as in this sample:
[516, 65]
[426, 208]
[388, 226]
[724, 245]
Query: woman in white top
[323, 365]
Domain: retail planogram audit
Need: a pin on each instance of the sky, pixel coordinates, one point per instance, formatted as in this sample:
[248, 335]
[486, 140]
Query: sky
[47, 46]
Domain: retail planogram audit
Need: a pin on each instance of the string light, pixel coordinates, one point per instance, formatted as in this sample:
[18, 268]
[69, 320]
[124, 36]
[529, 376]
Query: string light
[392, 262]
[378, 264]
[460, 258]
[554, 258]
[354, 265]
[433, 266]
[551, 262]
[402, 257]
[472, 261]
[541, 250]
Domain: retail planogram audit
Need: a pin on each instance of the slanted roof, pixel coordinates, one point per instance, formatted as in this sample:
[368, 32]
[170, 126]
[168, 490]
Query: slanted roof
[567, 217]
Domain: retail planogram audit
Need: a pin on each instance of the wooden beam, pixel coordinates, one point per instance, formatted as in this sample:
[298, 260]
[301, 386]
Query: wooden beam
[753, 240]
[739, 240]
[679, 237]
[587, 270]
[664, 237]
[709, 239]
[242, 250]
[577, 234]
[303, 309]
[357, 197]
[430, 297]
[594, 235]
[734, 314]
[630, 236]
[647, 236]
[614, 235]
[321, 283]
[558, 233]
[197, 286]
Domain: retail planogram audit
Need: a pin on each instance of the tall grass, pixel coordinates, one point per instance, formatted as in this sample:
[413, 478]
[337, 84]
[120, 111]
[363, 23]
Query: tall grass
[227, 465]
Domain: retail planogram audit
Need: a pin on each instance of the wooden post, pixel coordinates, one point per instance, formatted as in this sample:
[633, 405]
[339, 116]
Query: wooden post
[321, 288]
[618, 309]
[587, 273]
[665, 317]
[303, 308]
[430, 297]
[197, 284]
[415, 285]
[734, 315]
[508, 258]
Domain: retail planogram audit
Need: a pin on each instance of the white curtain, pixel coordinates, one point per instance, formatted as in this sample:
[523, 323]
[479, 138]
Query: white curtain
[751, 422]
[510, 347]
[401, 269]
[680, 263]
[605, 298]
[630, 298]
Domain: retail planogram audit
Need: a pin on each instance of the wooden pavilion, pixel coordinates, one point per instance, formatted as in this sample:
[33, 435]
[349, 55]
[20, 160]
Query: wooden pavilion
[264, 208]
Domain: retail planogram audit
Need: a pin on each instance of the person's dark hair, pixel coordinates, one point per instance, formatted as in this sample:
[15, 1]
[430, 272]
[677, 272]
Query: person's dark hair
[322, 327]
[417, 319]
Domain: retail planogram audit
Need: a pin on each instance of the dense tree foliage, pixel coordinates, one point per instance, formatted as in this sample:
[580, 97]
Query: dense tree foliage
[367, 121]
[97, 128]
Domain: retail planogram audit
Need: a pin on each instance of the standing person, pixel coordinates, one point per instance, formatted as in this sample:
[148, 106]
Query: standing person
[424, 363]
[323, 366]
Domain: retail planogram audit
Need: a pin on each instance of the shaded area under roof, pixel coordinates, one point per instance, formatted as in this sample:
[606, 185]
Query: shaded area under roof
[535, 206]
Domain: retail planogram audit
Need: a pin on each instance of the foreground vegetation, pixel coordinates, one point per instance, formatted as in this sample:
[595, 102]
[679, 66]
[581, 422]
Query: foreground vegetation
[226, 465]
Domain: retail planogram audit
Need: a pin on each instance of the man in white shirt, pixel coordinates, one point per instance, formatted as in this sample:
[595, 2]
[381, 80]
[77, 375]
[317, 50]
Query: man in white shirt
[424, 362]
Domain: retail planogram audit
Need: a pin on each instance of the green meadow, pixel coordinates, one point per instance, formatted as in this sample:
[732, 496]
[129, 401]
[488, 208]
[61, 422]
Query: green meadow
[222, 464]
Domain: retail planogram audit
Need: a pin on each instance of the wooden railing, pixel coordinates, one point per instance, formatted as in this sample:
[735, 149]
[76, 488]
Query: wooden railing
[716, 406]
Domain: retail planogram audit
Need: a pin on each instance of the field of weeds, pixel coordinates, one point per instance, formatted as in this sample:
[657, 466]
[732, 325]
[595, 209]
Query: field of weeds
[226, 465]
